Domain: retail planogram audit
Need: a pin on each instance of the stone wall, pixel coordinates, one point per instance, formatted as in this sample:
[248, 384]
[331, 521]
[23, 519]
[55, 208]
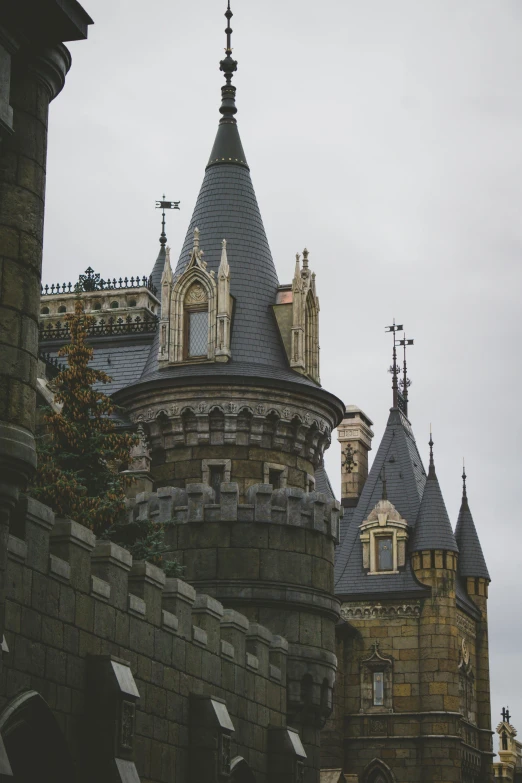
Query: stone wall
[136, 668]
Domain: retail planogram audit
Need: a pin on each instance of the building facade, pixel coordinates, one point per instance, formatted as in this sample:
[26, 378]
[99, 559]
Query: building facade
[310, 640]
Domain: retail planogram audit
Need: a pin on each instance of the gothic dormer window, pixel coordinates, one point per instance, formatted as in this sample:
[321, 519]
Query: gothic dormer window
[383, 536]
[195, 311]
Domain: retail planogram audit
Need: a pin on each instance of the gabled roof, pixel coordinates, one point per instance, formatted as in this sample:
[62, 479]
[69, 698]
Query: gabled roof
[433, 529]
[405, 480]
[471, 558]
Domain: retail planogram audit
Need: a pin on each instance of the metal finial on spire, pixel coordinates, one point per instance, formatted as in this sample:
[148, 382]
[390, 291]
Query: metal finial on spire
[163, 205]
[228, 66]
[394, 368]
[464, 477]
[431, 471]
[405, 382]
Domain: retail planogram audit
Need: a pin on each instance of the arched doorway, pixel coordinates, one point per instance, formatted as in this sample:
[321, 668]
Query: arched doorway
[240, 772]
[35, 746]
[378, 772]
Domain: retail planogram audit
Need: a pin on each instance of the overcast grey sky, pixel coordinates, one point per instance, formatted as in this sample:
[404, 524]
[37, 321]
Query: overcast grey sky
[385, 137]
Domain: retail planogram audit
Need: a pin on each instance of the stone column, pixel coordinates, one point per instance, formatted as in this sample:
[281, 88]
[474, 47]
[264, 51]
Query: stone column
[355, 436]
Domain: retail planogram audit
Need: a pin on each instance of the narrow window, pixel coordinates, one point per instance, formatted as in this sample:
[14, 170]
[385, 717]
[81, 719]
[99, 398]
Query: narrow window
[114, 305]
[378, 689]
[45, 311]
[62, 309]
[384, 553]
[274, 478]
[216, 477]
[97, 306]
[197, 327]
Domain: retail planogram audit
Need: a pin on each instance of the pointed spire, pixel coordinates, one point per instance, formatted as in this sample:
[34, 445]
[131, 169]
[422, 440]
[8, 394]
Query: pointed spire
[432, 528]
[405, 382]
[471, 558]
[227, 146]
[431, 469]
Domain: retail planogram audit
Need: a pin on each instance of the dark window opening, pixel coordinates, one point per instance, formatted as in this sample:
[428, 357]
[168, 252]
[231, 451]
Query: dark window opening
[62, 309]
[216, 478]
[97, 306]
[274, 478]
[132, 303]
[384, 546]
[114, 305]
[45, 311]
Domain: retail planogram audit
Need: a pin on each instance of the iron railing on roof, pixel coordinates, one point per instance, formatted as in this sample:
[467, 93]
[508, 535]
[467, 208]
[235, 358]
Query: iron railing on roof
[52, 361]
[102, 328]
[92, 281]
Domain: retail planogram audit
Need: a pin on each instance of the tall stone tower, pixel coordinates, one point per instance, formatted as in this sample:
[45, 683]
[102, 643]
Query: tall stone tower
[237, 424]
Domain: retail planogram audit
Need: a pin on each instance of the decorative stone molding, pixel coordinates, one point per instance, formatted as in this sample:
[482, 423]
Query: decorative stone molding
[195, 288]
[199, 417]
[365, 611]
[466, 625]
[305, 321]
[384, 521]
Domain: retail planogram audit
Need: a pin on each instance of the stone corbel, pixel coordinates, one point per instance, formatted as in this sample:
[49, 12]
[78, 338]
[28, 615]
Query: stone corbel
[111, 707]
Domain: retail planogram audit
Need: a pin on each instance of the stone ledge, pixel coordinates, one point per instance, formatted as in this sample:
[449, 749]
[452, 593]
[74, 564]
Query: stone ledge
[137, 606]
[169, 621]
[99, 588]
[59, 568]
[17, 549]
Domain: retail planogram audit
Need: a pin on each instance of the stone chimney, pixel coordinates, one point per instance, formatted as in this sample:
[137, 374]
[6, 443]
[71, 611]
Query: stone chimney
[355, 436]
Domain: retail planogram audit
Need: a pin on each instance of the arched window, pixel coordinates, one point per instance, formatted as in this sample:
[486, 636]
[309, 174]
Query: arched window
[378, 772]
[196, 322]
[97, 306]
[44, 311]
[240, 772]
[132, 303]
[62, 309]
[115, 305]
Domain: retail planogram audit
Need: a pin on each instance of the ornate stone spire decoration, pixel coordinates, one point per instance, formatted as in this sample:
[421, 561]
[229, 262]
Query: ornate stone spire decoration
[227, 146]
[304, 355]
[166, 286]
[224, 307]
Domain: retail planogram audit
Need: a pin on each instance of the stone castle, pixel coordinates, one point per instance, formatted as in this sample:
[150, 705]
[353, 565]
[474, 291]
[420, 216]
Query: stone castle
[310, 639]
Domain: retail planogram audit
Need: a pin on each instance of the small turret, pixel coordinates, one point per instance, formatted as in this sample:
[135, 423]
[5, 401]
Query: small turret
[471, 558]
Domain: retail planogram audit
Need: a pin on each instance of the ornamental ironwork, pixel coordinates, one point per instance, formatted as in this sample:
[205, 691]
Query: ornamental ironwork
[92, 281]
[102, 328]
[51, 360]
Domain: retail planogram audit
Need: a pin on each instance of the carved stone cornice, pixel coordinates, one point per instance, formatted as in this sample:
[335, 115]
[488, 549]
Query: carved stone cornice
[50, 66]
[285, 422]
[363, 610]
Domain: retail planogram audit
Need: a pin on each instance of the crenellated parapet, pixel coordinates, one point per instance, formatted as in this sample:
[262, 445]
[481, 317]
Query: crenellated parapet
[196, 504]
[139, 650]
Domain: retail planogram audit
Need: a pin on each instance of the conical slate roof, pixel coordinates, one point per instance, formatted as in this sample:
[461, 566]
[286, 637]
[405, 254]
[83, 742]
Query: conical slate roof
[433, 529]
[471, 557]
[405, 480]
[227, 208]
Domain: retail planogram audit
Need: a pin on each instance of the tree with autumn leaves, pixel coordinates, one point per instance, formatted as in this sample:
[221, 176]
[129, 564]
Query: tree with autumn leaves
[81, 451]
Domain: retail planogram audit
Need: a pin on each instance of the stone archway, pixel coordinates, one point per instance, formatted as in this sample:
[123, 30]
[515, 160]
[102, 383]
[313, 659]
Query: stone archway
[378, 772]
[34, 743]
[240, 772]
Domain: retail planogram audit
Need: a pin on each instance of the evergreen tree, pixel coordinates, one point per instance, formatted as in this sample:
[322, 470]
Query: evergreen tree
[81, 449]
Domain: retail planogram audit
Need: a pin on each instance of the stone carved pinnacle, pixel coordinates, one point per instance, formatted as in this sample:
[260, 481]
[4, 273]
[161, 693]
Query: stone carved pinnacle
[166, 277]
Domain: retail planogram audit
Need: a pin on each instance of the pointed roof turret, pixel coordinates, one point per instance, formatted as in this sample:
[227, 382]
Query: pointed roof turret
[471, 557]
[227, 208]
[432, 528]
[405, 479]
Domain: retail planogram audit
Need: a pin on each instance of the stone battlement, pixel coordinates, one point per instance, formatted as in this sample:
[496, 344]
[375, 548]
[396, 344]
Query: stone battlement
[196, 503]
[80, 612]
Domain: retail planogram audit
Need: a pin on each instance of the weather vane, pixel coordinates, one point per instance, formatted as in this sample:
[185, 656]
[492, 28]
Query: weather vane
[163, 205]
[506, 717]
[394, 369]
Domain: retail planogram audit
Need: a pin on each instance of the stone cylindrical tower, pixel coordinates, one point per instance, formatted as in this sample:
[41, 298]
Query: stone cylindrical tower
[434, 562]
[237, 423]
